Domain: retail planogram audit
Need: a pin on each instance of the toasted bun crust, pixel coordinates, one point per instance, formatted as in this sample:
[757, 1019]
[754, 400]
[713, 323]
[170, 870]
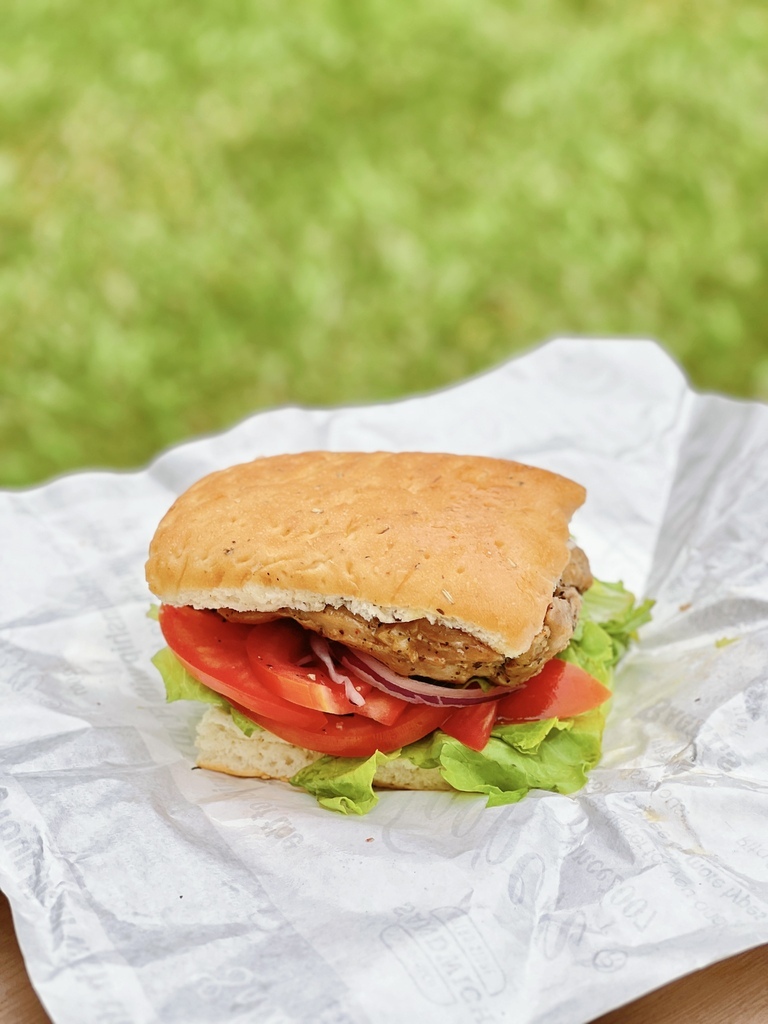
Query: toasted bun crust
[473, 543]
[223, 747]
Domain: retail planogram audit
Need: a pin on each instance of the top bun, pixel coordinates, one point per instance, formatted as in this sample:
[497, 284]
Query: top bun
[473, 543]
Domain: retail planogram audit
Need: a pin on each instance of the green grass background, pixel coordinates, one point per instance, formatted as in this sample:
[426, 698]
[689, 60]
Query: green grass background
[208, 208]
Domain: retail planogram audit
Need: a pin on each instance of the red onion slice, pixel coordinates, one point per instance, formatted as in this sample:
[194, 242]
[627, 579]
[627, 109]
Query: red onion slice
[415, 691]
[322, 650]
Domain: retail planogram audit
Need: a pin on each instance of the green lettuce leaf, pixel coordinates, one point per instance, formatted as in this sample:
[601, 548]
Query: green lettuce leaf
[343, 784]
[244, 723]
[554, 755]
[180, 685]
[594, 651]
[613, 608]
[606, 602]
[607, 626]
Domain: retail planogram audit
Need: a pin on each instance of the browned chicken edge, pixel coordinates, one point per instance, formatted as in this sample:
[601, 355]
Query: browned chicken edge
[432, 651]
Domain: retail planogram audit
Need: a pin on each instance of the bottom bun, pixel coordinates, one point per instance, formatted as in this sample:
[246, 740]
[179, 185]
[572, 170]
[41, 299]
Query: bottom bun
[223, 747]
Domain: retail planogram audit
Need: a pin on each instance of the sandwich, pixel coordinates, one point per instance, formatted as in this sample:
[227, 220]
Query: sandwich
[388, 620]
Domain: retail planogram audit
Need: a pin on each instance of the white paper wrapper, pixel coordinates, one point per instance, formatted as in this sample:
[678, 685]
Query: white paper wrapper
[146, 892]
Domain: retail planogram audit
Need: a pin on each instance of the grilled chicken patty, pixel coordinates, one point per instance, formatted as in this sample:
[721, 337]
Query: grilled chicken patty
[433, 651]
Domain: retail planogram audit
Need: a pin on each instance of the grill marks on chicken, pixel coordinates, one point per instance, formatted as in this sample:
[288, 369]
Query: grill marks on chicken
[438, 652]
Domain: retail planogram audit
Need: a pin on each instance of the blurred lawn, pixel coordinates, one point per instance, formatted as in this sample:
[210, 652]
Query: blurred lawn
[210, 208]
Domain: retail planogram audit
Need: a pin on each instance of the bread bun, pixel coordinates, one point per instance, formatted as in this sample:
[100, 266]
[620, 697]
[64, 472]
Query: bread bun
[223, 747]
[472, 543]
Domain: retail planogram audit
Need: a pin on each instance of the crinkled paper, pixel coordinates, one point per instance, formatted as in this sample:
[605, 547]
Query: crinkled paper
[144, 891]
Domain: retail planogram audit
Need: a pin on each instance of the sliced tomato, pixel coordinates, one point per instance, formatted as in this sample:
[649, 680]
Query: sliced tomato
[276, 650]
[472, 725]
[355, 736]
[215, 652]
[560, 690]
[382, 707]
